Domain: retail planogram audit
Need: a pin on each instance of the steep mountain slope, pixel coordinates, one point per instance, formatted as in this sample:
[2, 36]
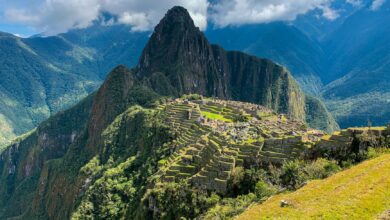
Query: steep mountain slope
[280, 42]
[343, 60]
[42, 75]
[174, 61]
[31, 88]
[359, 41]
[317, 26]
[366, 185]
[359, 79]
[179, 55]
[102, 157]
[84, 56]
[115, 44]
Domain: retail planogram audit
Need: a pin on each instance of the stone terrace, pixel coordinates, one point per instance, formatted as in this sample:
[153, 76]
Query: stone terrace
[210, 143]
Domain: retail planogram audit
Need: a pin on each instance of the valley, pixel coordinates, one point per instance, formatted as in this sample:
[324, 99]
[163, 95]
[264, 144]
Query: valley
[192, 131]
[320, 55]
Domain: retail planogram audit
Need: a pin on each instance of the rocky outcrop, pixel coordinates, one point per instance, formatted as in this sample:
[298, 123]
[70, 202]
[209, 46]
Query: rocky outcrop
[350, 143]
[46, 165]
[179, 55]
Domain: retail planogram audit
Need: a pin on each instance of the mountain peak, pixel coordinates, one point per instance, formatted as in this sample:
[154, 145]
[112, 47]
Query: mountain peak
[177, 17]
[174, 39]
[177, 21]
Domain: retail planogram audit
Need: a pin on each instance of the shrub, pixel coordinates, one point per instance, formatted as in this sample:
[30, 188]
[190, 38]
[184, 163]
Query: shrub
[179, 201]
[236, 178]
[274, 174]
[321, 168]
[346, 163]
[292, 175]
[376, 152]
[244, 181]
[229, 207]
[371, 153]
[264, 190]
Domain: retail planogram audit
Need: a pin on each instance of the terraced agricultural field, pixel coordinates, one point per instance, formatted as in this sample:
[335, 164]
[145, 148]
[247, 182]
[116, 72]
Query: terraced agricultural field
[361, 192]
[211, 141]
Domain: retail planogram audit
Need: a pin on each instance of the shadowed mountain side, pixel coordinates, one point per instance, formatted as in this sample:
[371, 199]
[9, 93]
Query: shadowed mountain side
[179, 56]
[125, 131]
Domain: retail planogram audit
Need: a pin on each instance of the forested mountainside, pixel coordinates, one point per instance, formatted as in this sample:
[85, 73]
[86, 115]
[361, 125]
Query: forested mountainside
[178, 59]
[67, 67]
[106, 157]
[358, 88]
[43, 75]
[280, 42]
[331, 58]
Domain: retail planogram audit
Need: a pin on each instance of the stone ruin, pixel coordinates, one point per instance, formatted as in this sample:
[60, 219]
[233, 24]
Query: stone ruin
[207, 151]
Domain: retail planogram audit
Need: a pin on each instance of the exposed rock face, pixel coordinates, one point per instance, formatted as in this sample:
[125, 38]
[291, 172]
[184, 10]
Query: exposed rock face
[179, 60]
[46, 164]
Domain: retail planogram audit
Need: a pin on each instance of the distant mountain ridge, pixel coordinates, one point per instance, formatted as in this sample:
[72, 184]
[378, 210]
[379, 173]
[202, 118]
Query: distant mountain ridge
[43, 75]
[84, 56]
[179, 60]
[280, 42]
[342, 61]
[358, 79]
[117, 152]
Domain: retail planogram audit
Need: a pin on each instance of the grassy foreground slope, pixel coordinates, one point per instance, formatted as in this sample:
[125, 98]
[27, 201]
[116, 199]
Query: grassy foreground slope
[361, 192]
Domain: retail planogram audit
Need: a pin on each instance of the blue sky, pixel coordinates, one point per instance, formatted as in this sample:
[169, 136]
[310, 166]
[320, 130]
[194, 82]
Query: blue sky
[28, 17]
[17, 29]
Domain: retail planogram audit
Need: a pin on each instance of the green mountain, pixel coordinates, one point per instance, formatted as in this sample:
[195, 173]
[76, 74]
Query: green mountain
[132, 150]
[43, 75]
[32, 88]
[358, 88]
[344, 61]
[302, 55]
[174, 63]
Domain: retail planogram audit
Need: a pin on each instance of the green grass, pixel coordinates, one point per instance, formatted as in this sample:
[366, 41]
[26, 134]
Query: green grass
[380, 128]
[361, 192]
[215, 116]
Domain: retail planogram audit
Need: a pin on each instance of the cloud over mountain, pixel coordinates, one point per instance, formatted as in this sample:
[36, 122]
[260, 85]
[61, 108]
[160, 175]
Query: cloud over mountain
[376, 4]
[236, 12]
[56, 16]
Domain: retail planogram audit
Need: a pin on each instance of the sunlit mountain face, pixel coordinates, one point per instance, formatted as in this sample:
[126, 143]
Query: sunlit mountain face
[209, 110]
[338, 56]
[343, 60]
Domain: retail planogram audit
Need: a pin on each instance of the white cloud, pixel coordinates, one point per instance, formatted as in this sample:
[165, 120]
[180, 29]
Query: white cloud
[57, 16]
[139, 21]
[355, 3]
[237, 12]
[18, 35]
[377, 4]
[329, 13]
[145, 14]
